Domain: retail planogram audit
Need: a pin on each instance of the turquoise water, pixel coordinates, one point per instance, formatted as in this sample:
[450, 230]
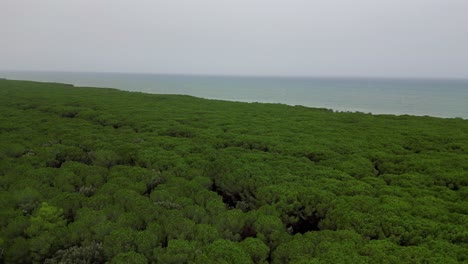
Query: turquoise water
[441, 98]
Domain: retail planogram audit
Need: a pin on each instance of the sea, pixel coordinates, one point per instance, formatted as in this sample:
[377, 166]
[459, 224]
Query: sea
[421, 97]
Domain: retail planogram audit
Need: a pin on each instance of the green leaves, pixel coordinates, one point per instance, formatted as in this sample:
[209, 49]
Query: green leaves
[257, 250]
[223, 251]
[47, 219]
[121, 177]
[47, 224]
[119, 241]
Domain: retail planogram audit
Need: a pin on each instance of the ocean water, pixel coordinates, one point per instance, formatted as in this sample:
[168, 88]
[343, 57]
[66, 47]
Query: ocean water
[440, 98]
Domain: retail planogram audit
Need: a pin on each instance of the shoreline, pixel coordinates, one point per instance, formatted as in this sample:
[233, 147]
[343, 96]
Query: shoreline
[221, 98]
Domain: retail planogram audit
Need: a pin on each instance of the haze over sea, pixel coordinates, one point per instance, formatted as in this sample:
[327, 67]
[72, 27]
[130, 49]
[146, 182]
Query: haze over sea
[439, 98]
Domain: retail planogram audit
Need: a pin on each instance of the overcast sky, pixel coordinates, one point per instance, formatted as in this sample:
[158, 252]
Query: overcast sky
[386, 38]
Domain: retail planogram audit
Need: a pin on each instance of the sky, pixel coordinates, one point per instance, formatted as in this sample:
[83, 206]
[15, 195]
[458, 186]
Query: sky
[358, 38]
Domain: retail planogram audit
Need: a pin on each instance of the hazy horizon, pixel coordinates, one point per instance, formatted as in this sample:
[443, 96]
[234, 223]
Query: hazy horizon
[361, 39]
[242, 75]
[433, 97]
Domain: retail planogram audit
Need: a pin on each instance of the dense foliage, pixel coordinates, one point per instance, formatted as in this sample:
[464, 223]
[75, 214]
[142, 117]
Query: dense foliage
[92, 175]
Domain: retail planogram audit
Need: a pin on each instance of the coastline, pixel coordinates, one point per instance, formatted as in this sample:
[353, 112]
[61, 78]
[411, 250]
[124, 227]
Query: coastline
[355, 98]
